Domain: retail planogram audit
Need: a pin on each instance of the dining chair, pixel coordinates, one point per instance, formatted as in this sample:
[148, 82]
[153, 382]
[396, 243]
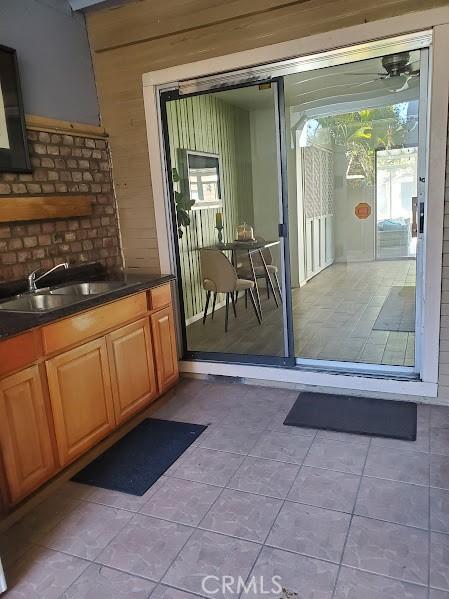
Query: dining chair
[259, 268]
[219, 276]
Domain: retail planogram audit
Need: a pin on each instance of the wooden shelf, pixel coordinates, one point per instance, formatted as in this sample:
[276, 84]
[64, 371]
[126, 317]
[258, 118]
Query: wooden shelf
[44, 207]
[41, 123]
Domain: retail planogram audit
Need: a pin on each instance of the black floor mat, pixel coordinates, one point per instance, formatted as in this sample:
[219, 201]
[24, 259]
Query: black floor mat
[135, 462]
[360, 415]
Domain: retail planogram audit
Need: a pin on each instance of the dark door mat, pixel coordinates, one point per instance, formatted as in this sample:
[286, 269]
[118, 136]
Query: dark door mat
[359, 415]
[398, 312]
[135, 462]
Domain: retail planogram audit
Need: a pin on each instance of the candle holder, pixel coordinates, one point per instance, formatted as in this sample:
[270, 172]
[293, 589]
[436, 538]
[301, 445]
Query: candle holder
[220, 234]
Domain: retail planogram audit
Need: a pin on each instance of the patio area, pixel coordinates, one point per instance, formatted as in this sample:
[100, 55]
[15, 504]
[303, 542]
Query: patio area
[335, 516]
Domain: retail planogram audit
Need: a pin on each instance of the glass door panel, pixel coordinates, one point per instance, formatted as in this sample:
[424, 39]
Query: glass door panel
[223, 151]
[353, 144]
[396, 202]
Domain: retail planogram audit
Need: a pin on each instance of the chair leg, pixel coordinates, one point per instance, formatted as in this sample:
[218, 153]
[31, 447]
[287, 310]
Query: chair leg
[206, 306]
[268, 287]
[227, 313]
[253, 301]
[234, 301]
[246, 298]
[213, 305]
[278, 285]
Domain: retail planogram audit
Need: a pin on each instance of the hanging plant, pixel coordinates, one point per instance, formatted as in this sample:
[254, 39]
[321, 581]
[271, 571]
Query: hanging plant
[183, 205]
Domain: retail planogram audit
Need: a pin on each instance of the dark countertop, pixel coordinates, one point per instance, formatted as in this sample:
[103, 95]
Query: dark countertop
[12, 323]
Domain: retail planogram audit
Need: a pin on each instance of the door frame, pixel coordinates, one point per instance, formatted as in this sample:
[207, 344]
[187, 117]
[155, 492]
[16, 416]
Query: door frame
[288, 359]
[435, 20]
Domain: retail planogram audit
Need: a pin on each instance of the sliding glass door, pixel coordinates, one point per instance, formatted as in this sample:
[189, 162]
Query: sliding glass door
[224, 155]
[354, 133]
[298, 204]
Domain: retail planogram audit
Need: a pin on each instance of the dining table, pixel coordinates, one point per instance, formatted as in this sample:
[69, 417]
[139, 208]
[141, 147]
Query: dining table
[252, 248]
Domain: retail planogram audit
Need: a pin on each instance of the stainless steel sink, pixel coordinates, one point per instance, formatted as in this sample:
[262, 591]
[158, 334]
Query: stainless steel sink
[36, 302]
[52, 298]
[83, 289]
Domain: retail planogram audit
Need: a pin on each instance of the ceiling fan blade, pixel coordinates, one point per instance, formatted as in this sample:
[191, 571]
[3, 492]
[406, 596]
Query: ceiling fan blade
[323, 75]
[364, 74]
[404, 87]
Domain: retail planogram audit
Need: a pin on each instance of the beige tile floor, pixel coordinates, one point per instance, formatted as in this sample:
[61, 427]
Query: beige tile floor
[335, 516]
[335, 312]
[333, 319]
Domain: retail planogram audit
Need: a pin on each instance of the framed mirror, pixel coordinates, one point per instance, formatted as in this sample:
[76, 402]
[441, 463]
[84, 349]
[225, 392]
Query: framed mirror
[14, 156]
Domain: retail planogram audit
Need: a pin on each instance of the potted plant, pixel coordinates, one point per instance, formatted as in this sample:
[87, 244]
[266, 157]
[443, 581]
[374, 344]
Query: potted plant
[183, 204]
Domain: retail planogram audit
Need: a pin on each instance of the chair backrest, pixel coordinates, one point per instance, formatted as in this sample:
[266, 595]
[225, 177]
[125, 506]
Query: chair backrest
[266, 252]
[216, 268]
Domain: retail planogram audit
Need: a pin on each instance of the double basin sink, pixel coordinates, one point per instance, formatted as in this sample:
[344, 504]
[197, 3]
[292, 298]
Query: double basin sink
[52, 298]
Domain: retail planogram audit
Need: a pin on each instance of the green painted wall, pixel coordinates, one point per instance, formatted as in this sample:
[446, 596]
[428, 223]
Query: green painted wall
[207, 124]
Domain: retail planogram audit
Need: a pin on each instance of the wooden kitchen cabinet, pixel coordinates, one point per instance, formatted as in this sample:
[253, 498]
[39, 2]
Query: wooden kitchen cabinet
[81, 398]
[165, 350]
[66, 385]
[25, 437]
[133, 374]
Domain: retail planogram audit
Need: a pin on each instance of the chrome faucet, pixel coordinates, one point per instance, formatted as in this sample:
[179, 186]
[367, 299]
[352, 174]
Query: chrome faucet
[32, 280]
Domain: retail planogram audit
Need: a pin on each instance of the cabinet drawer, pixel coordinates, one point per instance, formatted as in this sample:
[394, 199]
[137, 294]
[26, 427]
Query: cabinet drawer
[19, 352]
[70, 331]
[159, 297]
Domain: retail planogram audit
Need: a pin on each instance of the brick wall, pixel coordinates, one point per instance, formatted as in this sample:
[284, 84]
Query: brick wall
[62, 164]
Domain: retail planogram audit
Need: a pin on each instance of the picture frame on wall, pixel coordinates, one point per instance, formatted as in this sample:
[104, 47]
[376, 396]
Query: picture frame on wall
[14, 154]
[201, 178]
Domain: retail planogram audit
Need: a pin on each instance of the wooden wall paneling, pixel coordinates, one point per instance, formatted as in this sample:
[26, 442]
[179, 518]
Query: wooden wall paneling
[119, 71]
[155, 20]
[207, 124]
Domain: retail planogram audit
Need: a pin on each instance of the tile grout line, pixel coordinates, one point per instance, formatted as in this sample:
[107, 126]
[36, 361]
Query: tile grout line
[350, 522]
[90, 561]
[194, 529]
[277, 515]
[81, 501]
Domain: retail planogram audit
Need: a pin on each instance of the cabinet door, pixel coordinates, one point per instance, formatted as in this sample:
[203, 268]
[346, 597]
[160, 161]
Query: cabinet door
[165, 351]
[24, 433]
[81, 398]
[132, 369]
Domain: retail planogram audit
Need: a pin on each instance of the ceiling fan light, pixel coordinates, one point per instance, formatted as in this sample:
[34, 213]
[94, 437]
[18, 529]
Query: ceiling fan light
[395, 83]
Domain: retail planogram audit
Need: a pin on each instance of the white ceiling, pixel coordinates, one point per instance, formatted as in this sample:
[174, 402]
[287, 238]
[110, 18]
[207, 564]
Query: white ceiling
[337, 86]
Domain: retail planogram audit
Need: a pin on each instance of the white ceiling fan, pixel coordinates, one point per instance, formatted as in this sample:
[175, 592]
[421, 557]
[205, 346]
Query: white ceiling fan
[399, 71]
